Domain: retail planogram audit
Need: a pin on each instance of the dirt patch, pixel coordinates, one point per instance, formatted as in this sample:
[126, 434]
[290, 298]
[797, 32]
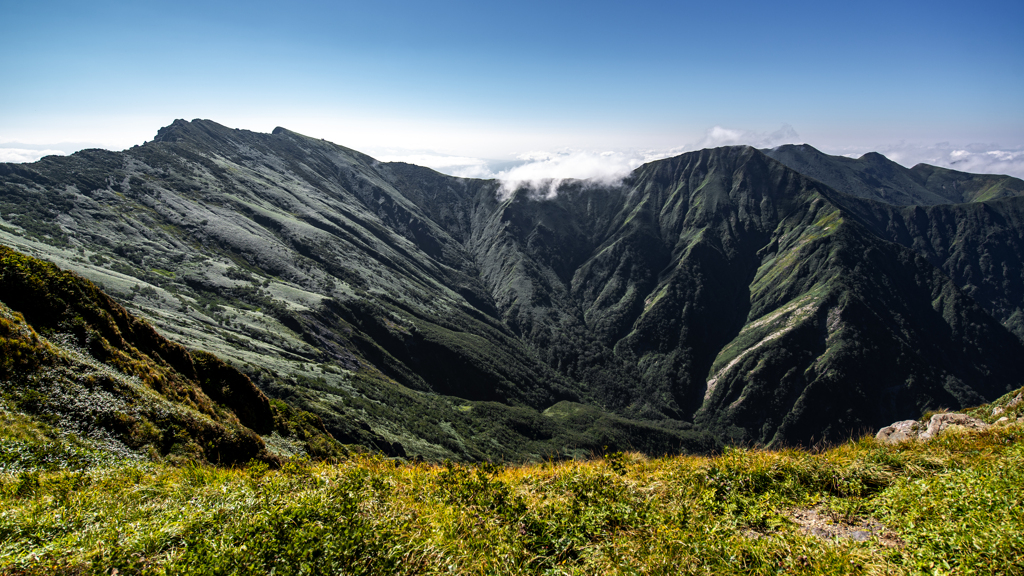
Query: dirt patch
[830, 526]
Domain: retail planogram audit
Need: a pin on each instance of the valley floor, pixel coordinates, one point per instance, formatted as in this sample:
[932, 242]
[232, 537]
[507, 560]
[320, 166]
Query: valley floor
[951, 505]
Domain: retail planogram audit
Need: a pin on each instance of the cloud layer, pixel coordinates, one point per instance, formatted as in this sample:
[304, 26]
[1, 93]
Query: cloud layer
[461, 166]
[976, 158]
[19, 155]
[544, 170]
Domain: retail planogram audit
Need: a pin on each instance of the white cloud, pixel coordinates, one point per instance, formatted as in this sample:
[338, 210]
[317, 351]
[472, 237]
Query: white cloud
[600, 165]
[472, 171]
[544, 171]
[977, 158]
[20, 155]
[461, 166]
[719, 136]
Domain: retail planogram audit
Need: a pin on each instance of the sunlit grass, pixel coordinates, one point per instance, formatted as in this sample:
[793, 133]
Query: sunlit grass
[949, 506]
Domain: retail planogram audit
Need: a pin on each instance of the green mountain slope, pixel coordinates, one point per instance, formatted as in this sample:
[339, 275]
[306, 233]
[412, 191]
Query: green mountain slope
[297, 259]
[978, 245]
[420, 314]
[875, 177]
[75, 361]
[724, 286]
[854, 332]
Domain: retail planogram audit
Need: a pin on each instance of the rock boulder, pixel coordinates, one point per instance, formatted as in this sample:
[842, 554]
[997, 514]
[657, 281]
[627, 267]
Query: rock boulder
[913, 429]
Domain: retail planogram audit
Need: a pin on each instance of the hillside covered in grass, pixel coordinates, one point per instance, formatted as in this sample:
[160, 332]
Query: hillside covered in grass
[75, 365]
[951, 505]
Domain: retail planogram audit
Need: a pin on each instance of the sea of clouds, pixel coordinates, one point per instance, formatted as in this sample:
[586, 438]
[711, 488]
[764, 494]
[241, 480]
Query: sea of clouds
[21, 155]
[976, 158]
[545, 169]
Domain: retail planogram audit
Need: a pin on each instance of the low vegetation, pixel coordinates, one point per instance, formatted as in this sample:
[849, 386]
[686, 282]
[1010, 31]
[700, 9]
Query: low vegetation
[74, 360]
[951, 505]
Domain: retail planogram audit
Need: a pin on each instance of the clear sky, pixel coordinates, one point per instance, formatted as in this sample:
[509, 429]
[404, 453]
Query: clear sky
[479, 82]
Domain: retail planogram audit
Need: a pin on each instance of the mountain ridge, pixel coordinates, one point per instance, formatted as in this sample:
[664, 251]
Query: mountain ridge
[873, 176]
[400, 304]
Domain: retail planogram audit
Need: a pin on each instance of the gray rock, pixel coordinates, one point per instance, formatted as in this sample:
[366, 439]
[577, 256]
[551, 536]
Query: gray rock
[1016, 400]
[860, 535]
[998, 410]
[912, 429]
[941, 422]
[900, 431]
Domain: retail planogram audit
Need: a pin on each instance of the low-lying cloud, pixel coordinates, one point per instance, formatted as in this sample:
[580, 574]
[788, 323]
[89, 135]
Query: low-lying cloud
[976, 158]
[719, 136]
[462, 166]
[543, 171]
[21, 155]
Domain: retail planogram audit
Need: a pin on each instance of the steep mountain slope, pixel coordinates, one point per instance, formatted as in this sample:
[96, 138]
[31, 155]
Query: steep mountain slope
[724, 284]
[298, 260]
[980, 246]
[875, 177]
[423, 314]
[76, 361]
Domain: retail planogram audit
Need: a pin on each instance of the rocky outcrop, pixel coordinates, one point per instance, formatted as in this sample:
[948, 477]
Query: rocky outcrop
[913, 429]
[901, 431]
[941, 422]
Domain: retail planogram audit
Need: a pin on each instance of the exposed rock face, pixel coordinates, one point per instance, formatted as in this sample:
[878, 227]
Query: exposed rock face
[912, 429]
[940, 422]
[900, 431]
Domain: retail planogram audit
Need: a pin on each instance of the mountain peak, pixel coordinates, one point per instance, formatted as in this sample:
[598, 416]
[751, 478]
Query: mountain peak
[807, 148]
[876, 157]
[172, 132]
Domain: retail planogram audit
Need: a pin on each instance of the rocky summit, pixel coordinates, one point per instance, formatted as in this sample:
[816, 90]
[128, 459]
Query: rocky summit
[733, 295]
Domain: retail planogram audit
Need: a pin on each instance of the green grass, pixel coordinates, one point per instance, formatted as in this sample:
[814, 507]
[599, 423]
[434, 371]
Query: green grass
[949, 506]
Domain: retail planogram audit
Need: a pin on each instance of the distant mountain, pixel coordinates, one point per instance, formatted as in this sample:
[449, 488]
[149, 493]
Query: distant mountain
[718, 295]
[875, 177]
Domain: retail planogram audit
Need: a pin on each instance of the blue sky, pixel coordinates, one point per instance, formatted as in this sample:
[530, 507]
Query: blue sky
[528, 80]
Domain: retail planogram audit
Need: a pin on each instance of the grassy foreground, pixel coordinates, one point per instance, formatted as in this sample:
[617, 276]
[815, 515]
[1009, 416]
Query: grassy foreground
[953, 505]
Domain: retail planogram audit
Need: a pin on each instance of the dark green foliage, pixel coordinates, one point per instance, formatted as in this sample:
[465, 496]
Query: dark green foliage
[979, 246]
[230, 388]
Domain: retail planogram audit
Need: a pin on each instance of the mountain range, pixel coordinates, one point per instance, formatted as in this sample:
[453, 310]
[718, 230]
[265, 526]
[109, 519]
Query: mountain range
[732, 295]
